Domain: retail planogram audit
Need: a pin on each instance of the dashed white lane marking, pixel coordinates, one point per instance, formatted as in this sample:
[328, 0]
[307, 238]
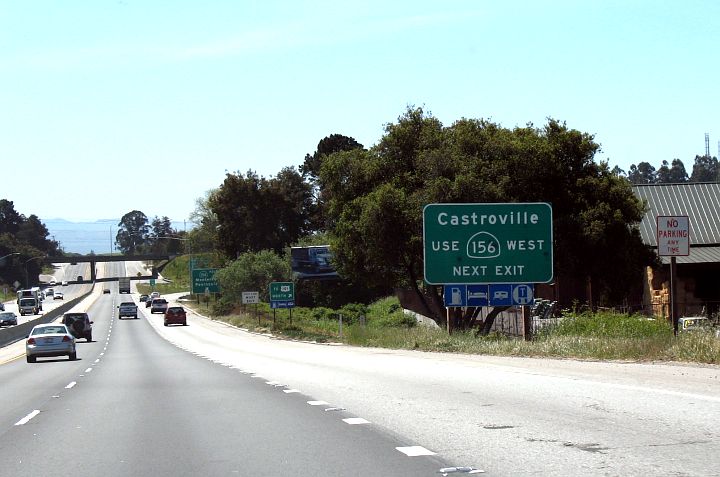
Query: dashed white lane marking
[289, 391]
[356, 420]
[71, 385]
[318, 403]
[88, 370]
[27, 418]
[102, 354]
[414, 451]
[97, 360]
[272, 383]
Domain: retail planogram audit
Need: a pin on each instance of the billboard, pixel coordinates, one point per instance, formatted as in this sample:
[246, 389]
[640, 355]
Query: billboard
[314, 261]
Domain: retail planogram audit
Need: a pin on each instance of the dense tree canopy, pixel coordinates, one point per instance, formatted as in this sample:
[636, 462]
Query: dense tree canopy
[328, 145]
[133, 232]
[26, 240]
[705, 169]
[203, 237]
[252, 271]
[255, 213]
[375, 197]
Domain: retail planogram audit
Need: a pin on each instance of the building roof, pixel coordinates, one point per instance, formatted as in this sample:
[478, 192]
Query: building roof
[700, 201]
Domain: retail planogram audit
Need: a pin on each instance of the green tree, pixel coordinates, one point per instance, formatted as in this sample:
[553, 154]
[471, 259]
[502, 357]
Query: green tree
[10, 219]
[163, 238]
[255, 213]
[133, 232]
[375, 199]
[26, 237]
[310, 170]
[252, 271]
[705, 169]
[328, 145]
[204, 236]
[671, 173]
[643, 173]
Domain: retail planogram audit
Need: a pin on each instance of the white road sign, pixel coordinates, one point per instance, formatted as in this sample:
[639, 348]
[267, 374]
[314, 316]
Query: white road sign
[250, 297]
[673, 235]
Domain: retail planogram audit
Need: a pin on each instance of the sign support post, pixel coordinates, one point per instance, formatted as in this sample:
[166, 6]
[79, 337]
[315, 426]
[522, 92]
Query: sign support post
[673, 295]
[527, 323]
[673, 240]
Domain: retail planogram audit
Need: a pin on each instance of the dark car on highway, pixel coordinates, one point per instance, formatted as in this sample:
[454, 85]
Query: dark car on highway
[175, 315]
[8, 318]
[79, 325]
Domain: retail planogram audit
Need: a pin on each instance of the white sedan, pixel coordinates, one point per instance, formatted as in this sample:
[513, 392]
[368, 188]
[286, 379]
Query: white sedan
[48, 340]
[58, 296]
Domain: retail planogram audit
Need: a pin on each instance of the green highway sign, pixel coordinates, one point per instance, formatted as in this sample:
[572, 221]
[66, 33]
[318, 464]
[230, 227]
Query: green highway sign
[488, 243]
[203, 280]
[282, 291]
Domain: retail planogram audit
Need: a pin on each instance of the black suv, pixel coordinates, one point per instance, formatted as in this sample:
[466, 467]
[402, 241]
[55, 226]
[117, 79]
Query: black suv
[79, 325]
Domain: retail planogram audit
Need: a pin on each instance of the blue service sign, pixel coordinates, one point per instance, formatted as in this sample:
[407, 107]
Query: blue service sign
[523, 294]
[455, 295]
[478, 295]
[282, 304]
[497, 294]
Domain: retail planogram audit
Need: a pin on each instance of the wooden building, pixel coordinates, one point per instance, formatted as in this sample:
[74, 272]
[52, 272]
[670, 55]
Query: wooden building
[698, 289]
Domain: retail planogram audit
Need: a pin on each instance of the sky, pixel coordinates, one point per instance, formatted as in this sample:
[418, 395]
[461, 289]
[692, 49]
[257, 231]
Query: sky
[109, 106]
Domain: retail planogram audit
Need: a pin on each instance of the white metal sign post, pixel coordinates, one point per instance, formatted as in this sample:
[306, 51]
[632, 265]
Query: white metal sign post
[673, 240]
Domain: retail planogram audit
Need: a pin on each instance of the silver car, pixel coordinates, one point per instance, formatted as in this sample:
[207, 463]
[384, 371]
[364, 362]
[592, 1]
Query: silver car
[51, 339]
[158, 305]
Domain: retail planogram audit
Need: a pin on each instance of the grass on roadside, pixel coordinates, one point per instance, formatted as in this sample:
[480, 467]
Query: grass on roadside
[595, 336]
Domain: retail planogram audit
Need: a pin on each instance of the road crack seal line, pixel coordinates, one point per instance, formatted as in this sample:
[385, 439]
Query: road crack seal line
[594, 448]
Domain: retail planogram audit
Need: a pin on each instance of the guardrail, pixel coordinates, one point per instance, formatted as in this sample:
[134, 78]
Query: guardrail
[16, 333]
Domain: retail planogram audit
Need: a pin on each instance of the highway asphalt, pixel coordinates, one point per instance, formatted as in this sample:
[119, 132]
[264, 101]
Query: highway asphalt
[212, 399]
[135, 404]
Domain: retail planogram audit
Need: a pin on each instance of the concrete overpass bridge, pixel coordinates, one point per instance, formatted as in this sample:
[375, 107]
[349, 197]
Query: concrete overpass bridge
[159, 262]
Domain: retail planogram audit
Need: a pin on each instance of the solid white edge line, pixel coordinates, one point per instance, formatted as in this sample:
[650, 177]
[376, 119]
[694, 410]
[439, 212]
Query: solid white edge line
[27, 418]
[71, 385]
[415, 451]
